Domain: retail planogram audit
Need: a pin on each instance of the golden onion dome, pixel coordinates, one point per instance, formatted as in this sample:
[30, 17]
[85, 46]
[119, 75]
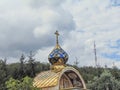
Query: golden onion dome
[58, 56]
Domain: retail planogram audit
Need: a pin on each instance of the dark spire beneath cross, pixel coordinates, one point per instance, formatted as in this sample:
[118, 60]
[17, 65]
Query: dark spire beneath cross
[57, 34]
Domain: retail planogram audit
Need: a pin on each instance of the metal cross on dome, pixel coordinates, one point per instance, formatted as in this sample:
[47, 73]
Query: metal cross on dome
[57, 34]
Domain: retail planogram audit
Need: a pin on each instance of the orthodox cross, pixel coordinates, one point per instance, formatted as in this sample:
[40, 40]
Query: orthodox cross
[57, 34]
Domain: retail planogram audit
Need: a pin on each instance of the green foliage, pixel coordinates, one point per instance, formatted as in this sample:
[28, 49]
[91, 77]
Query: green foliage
[116, 73]
[105, 82]
[21, 70]
[29, 67]
[88, 73]
[3, 74]
[13, 84]
[25, 84]
[26, 67]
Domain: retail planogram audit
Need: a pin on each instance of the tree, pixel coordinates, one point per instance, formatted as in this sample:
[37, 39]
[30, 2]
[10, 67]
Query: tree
[31, 65]
[4, 66]
[27, 84]
[22, 69]
[13, 84]
[105, 82]
[3, 74]
[24, 84]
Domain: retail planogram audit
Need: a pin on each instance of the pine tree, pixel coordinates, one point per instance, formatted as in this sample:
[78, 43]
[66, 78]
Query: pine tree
[22, 70]
[31, 65]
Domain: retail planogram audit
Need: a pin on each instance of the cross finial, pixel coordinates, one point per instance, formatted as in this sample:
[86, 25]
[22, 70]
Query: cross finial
[57, 34]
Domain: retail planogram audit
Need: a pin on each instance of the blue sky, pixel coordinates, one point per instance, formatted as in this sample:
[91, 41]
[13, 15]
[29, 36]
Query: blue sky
[113, 55]
[27, 25]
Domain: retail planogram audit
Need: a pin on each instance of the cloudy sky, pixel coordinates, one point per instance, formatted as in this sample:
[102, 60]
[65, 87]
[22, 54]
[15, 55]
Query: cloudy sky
[27, 25]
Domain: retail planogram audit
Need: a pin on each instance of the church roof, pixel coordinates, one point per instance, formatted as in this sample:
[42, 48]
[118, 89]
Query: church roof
[46, 79]
[50, 78]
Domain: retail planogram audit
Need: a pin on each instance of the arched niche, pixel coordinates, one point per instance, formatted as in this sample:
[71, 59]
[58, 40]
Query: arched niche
[71, 78]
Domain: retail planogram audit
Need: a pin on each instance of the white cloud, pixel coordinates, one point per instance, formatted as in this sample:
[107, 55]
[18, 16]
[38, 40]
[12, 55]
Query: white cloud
[41, 31]
[42, 54]
[29, 25]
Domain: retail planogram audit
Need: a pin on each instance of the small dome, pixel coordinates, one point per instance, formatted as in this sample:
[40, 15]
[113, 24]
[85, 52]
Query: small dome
[58, 56]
